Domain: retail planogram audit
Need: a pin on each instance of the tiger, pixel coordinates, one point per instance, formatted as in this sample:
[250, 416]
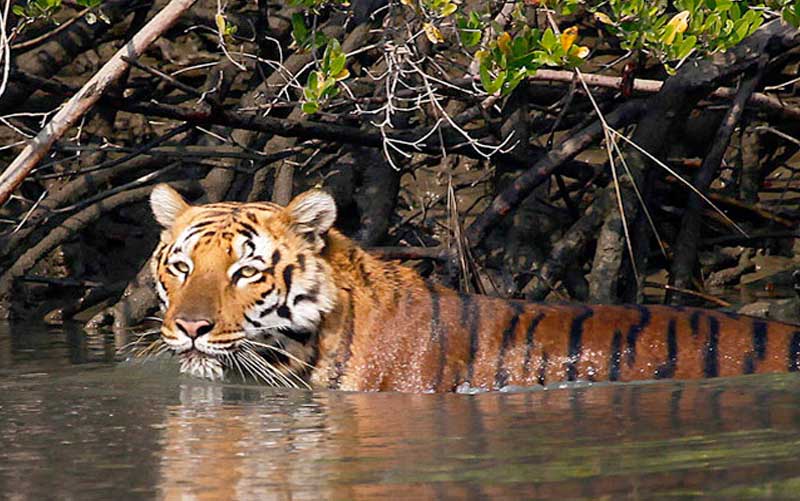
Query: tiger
[278, 295]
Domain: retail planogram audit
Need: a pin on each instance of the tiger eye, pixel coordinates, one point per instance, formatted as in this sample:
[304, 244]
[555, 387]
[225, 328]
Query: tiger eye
[181, 267]
[247, 271]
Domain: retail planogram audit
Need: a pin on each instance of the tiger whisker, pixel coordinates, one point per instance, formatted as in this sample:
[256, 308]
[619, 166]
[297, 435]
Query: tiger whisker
[277, 350]
[248, 364]
[249, 369]
[268, 366]
[234, 361]
[258, 368]
[147, 350]
[139, 338]
[162, 349]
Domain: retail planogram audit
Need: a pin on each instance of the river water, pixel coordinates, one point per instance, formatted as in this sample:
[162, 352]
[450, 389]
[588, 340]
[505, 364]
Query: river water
[76, 424]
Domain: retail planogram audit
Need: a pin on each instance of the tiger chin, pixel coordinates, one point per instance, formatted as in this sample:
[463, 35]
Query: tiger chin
[277, 295]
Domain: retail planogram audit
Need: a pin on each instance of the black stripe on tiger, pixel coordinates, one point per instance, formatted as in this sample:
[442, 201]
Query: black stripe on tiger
[667, 369]
[301, 336]
[575, 343]
[711, 358]
[437, 333]
[633, 334]
[500, 373]
[254, 323]
[247, 229]
[760, 336]
[470, 317]
[794, 352]
[616, 356]
[344, 351]
[760, 330]
[311, 296]
[694, 323]
[542, 379]
[530, 338]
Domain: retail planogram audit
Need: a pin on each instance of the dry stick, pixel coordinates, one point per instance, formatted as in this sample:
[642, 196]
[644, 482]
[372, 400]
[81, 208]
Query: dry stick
[541, 170]
[667, 110]
[567, 250]
[764, 101]
[27, 44]
[188, 89]
[755, 208]
[60, 50]
[689, 292]
[14, 245]
[438, 253]
[742, 240]
[89, 94]
[70, 227]
[685, 251]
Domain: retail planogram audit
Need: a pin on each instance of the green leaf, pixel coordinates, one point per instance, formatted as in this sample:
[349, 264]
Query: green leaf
[548, 40]
[310, 107]
[491, 85]
[470, 37]
[486, 78]
[519, 47]
[313, 81]
[686, 46]
[337, 63]
[334, 59]
[299, 30]
[19, 10]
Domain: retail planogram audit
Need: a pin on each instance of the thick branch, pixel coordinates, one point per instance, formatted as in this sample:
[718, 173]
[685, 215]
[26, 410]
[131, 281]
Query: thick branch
[689, 236]
[90, 93]
[509, 198]
[758, 99]
[69, 228]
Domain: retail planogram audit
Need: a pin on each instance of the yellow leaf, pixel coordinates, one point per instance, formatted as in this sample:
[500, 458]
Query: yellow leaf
[603, 18]
[504, 42]
[409, 3]
[449, 9]
[481, 54]
[579, 51]
[680, 21]
[220, 20]
[433, 33]
[678, 24]
[343, 75]
[568, 37]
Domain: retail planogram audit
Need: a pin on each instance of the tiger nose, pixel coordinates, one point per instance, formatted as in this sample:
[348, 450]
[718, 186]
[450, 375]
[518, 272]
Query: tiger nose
[194, 328]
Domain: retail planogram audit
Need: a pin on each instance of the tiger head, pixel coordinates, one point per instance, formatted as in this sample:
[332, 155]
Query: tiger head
[243, 286]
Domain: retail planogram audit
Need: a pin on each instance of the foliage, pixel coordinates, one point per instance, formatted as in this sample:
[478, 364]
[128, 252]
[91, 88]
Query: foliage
[321, 84]
[37, 8]
[33, 10]
[546, 33]
[706, 26]
[510, 59]
[224, 28]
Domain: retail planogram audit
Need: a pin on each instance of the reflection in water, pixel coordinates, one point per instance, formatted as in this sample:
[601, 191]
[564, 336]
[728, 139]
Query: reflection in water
[74, 425]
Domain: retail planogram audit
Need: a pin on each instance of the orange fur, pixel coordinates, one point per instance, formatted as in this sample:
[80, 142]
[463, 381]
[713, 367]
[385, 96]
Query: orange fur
[320, 311]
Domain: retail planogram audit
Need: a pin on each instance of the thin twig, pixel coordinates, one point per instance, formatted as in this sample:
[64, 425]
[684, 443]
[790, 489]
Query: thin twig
[90, 93]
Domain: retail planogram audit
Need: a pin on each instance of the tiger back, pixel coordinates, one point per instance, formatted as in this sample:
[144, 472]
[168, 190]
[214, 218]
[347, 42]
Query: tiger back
[276, 294]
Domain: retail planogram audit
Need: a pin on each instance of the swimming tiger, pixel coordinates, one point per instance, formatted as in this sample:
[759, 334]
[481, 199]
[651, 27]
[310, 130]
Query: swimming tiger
[275, 293]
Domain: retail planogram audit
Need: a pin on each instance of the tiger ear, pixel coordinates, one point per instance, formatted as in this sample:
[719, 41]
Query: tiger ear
[313, 212]
[167, 204]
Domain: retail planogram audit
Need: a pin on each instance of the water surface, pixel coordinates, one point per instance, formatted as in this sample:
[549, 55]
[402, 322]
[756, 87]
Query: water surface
[75, 424]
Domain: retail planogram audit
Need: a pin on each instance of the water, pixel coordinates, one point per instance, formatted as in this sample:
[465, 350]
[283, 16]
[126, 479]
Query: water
[76, 425]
